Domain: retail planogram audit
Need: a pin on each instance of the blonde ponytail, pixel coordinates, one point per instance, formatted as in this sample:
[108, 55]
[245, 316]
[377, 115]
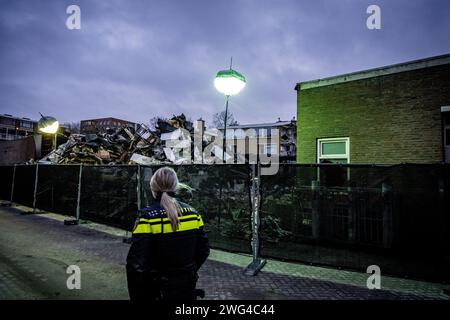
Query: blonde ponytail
[163, 183]
[172, 209]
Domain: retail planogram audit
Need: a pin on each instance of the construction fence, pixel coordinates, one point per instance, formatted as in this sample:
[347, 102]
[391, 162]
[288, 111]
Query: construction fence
[346, 216]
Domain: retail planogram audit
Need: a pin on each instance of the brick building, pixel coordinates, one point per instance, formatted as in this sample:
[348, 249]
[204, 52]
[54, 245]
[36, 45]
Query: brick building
[102, 124]
[394, 114]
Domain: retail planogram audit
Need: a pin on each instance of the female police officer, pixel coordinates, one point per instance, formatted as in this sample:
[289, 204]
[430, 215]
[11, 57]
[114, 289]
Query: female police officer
[168, 245]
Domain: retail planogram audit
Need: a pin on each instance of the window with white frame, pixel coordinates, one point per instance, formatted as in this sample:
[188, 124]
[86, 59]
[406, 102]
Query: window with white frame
[270, 148]
[230, 133]
[26, 124]
[333, 150]
[239, 134]
[264, 132]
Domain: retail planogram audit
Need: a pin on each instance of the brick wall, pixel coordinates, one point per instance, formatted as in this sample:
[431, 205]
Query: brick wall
[390, 119]
[17, 151]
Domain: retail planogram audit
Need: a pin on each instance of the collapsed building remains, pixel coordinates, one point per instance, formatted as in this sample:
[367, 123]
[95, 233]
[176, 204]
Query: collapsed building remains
[123, 145]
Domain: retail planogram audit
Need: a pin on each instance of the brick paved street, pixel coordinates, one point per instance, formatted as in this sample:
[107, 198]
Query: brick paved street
[35, 251]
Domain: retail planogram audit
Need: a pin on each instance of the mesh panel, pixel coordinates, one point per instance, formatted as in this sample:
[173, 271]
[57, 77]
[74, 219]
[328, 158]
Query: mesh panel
[350, 216]
[419, 218]
[417, 189]
[221, 196]
[6, 174]
[58, 188]
[109, 195]
[24, 185]
[355, 216]
[445, 209]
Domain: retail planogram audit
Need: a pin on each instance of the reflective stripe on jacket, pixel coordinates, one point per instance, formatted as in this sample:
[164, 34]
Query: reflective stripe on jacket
[158, 251]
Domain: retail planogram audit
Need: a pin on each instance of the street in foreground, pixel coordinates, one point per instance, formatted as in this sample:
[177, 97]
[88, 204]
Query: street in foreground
[36, 250]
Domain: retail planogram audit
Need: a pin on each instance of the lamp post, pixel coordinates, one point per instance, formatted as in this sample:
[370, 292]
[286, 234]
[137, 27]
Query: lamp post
[229, 82]
[49, 125]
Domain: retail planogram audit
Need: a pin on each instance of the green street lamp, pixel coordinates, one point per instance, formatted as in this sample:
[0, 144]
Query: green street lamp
[229, 82]
[49, 125]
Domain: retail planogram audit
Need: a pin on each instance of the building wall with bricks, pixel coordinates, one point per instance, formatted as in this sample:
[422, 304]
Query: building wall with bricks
[391, 118]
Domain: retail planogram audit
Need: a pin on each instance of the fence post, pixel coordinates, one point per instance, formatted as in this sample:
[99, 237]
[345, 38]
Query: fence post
[127, 239]
[351, 214]
[257, 263]
[12, 183]
[315, 212]
[80, 174]
[36, 179]
[138, 187]
[442, 211]
[443, 226]
[71, 222]
[386, 192]
[219, 211]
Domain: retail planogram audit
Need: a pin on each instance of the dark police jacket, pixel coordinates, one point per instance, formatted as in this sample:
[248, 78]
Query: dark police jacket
[158, 251]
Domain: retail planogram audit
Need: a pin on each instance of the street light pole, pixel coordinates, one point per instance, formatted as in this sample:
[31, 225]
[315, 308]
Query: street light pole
[225, 130]
[229, 82]
[224, 144]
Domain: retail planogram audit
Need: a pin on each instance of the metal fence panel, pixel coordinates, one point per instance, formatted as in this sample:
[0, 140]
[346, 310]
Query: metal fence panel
[221, 196]
[6, 176]
[349, 216]
[57, 188]
[24, 185]
[109, 195]
[355, 216]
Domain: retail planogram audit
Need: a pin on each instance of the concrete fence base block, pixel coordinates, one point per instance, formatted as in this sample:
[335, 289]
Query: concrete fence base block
[71, 222]
[26, 213]
[254, 267]
[126, 240]
[5, 203]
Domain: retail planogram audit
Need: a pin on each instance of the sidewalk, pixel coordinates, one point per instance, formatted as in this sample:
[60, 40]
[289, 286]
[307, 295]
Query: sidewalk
[35, 251]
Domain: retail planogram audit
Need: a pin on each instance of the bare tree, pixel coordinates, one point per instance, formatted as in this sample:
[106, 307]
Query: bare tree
[219, 119]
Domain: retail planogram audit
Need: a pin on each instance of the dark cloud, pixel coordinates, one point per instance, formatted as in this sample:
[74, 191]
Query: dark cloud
[138, 59]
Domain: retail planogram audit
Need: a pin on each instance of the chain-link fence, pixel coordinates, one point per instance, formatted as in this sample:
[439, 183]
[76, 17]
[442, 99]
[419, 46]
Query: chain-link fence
[349, 216]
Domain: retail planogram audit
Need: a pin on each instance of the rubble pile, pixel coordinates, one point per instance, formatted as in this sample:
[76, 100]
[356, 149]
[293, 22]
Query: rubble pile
[122, 146]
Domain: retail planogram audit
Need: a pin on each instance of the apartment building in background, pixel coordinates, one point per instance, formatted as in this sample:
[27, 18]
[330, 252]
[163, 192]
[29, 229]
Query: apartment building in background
[14, 128]
[284, 145]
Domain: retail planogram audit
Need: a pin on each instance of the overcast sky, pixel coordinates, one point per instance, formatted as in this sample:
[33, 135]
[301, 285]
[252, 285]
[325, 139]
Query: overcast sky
[135, 59]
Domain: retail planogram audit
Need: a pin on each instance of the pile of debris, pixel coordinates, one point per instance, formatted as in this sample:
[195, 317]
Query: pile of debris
[122, 146]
